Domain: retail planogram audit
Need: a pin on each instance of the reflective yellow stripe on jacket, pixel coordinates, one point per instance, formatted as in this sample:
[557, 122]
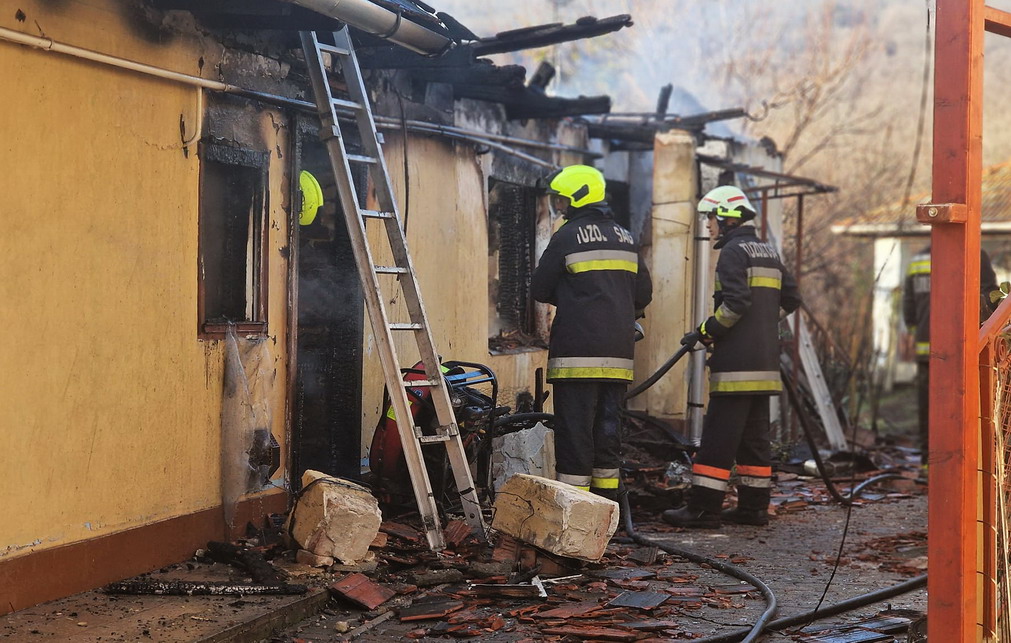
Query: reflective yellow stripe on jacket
[612, 368]
[919, 267]
[745, 382]
[602, 260]
[923, 348]
[765, 278]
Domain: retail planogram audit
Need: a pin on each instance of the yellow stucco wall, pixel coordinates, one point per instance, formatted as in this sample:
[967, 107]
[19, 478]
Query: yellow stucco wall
[670, 256]
[111, 405]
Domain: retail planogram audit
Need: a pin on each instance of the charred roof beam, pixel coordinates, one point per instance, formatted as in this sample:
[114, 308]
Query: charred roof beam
[781, 180]
[641, 128]
[549, 34]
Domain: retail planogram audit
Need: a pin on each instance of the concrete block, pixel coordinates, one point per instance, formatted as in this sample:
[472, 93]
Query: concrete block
[334, 518]
[531, 451]
[556, 517]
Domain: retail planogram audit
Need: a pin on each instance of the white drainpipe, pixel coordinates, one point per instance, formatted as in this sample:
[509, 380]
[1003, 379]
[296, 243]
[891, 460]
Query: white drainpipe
[703, 304]
[380, 22]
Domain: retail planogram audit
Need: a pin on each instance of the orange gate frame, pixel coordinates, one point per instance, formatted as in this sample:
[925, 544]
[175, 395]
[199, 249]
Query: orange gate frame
[962, 539]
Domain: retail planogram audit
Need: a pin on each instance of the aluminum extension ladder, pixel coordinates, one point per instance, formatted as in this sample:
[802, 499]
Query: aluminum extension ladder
[357, 108]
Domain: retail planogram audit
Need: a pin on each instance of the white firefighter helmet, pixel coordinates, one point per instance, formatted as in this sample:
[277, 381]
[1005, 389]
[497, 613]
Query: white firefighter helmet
[727, 202]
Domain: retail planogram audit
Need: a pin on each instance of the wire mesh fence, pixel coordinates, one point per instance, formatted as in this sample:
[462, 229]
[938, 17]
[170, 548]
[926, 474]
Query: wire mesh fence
[995, 400]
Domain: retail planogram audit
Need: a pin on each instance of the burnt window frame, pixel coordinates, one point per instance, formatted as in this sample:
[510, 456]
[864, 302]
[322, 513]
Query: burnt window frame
[528, 326]
[250, 159]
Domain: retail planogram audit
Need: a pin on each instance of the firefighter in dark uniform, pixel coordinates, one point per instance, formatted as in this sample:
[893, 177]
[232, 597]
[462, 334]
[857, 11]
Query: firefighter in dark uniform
[916, 314]
[753, 292]
[592, 273]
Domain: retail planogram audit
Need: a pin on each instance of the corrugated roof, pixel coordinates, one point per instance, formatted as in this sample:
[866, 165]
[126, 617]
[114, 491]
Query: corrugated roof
[896, 220]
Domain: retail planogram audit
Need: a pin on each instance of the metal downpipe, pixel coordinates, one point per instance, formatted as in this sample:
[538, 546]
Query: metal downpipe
[697, 366]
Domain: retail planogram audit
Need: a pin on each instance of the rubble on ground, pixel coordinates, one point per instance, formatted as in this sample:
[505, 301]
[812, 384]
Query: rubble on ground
[552, 570]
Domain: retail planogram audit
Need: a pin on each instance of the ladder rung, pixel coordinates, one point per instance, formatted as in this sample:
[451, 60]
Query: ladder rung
[431, 439]
[375, 214]
[357, 158]
[406, 326]
[347, 104]
[340, 51]
[390, 270]
[411, 383]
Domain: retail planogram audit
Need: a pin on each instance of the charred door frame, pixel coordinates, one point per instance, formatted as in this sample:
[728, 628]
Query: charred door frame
[350, 372]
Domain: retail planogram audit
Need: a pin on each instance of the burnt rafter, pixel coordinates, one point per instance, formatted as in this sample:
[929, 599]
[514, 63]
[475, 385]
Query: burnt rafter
[550, 34]
[644, 129]
[523, 102]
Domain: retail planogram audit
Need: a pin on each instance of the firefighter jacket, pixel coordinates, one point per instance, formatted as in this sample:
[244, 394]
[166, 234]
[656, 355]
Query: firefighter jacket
[916, 298]
[593, 274]
[753, 291]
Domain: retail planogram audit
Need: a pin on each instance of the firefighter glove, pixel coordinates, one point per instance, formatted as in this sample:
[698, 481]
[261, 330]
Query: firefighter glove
[697, 336]
[691, 339]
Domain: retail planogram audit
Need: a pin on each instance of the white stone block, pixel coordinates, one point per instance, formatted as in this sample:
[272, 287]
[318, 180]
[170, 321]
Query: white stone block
[335, 518]
[531, 451]
[555, 516]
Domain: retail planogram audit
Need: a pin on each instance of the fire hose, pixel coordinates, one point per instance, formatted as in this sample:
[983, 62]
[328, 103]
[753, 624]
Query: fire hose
[764, 622]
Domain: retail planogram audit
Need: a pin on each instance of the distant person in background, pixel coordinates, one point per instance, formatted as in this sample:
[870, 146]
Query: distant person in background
[916, 314]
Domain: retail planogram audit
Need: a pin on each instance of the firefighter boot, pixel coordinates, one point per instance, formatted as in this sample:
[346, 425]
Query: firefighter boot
[742, 516]
[692, 518]
[752, 507]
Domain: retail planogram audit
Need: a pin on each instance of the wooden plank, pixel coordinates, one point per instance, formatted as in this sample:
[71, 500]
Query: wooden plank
[954, 388]
[819, 389]
[997, 21]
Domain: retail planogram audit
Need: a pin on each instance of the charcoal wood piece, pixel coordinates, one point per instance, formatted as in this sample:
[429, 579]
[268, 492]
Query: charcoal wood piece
[535, 589]
[435, 577]
[194, 588]
[358, 589]
[251, 560]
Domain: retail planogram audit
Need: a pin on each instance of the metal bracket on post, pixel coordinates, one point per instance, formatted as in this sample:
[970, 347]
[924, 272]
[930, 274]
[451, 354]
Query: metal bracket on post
[931, 213]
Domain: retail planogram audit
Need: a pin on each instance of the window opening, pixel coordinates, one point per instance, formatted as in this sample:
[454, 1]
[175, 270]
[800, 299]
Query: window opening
[233, 234]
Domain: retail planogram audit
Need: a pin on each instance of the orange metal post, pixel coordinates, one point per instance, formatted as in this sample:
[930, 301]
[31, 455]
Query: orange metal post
[954, 375]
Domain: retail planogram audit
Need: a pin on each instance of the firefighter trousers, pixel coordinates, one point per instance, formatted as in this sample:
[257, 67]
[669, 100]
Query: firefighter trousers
[588, 435]
[735, 429]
